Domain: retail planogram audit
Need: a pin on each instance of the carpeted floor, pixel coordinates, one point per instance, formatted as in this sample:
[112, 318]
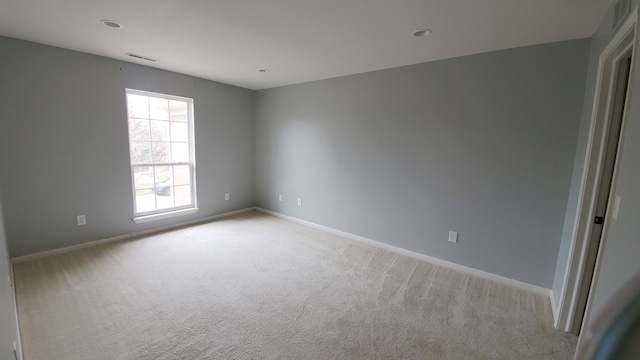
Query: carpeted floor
[254, 286]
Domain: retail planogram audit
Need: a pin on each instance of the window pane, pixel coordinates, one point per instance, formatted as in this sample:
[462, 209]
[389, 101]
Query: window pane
[140, 152]
[139, 130]
[163, 174]
[181, 175]
[159, 108]
[138, 106]
[179, 132]
[180, 152]
[145, 203]
[182, 195]
[178, 111]
[165, 200]
[160, 152]
[159, 130]
[143, 179]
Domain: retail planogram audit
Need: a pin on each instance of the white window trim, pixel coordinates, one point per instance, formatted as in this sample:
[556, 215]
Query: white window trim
[175, 211]
[164, 215]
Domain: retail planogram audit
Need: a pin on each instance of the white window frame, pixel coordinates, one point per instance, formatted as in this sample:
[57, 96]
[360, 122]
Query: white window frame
[158, 214]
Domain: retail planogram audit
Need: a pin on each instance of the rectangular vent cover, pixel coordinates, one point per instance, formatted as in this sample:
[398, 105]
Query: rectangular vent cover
[141, 57]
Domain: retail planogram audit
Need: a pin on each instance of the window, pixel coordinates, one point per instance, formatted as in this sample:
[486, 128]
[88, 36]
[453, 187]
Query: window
[161, 152]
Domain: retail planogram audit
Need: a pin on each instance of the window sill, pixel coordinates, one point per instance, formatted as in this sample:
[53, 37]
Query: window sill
[165, 215]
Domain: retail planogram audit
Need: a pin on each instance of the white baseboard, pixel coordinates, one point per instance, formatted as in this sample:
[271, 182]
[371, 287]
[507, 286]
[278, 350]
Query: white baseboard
[39, 255]
[19, 259]
[554, 309]
[18, 343]
[430, 259]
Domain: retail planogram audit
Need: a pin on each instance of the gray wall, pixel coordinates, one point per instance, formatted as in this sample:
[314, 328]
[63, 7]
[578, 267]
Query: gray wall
[619, 252]
[483, 145]
[64, 148]
[8, 319]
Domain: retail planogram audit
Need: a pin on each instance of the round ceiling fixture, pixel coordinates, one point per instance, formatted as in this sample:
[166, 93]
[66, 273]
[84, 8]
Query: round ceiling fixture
[421, 33]
[112, 24]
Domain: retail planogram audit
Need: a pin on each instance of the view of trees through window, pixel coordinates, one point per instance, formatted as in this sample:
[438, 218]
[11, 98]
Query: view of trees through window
[159, 144]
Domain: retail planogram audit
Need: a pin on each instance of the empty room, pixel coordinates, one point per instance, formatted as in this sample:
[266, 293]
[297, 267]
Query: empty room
[286, 179]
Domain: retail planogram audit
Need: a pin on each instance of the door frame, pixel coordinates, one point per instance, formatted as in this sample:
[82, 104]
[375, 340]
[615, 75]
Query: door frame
[624, 39]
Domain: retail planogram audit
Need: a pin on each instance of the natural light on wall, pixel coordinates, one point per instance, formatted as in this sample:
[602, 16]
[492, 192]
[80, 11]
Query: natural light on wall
[161, 149]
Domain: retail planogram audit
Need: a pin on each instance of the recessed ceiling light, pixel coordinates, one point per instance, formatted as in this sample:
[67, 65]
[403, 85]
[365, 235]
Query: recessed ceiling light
[112, 24]
[421, 33]
[263, 70]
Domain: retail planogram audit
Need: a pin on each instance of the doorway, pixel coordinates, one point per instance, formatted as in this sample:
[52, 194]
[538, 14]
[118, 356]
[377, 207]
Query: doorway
[595, 203]
[619, 96]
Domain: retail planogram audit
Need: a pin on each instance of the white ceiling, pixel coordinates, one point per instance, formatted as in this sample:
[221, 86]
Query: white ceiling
[297, 40]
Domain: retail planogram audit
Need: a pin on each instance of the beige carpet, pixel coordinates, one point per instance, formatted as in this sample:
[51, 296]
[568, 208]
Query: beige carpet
[255, 286]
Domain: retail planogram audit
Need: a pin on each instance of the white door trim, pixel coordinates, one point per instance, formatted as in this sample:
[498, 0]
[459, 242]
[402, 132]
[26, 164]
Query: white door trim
[624, 38]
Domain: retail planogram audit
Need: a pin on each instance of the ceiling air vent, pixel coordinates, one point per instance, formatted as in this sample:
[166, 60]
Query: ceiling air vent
[141, 57]
[620, 12]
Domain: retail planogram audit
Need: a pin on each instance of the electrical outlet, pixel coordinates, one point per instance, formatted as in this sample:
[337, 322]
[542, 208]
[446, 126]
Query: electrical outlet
[299, 201]
[81, 220]
[279, 197]
[226, 196]
[453, 236]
